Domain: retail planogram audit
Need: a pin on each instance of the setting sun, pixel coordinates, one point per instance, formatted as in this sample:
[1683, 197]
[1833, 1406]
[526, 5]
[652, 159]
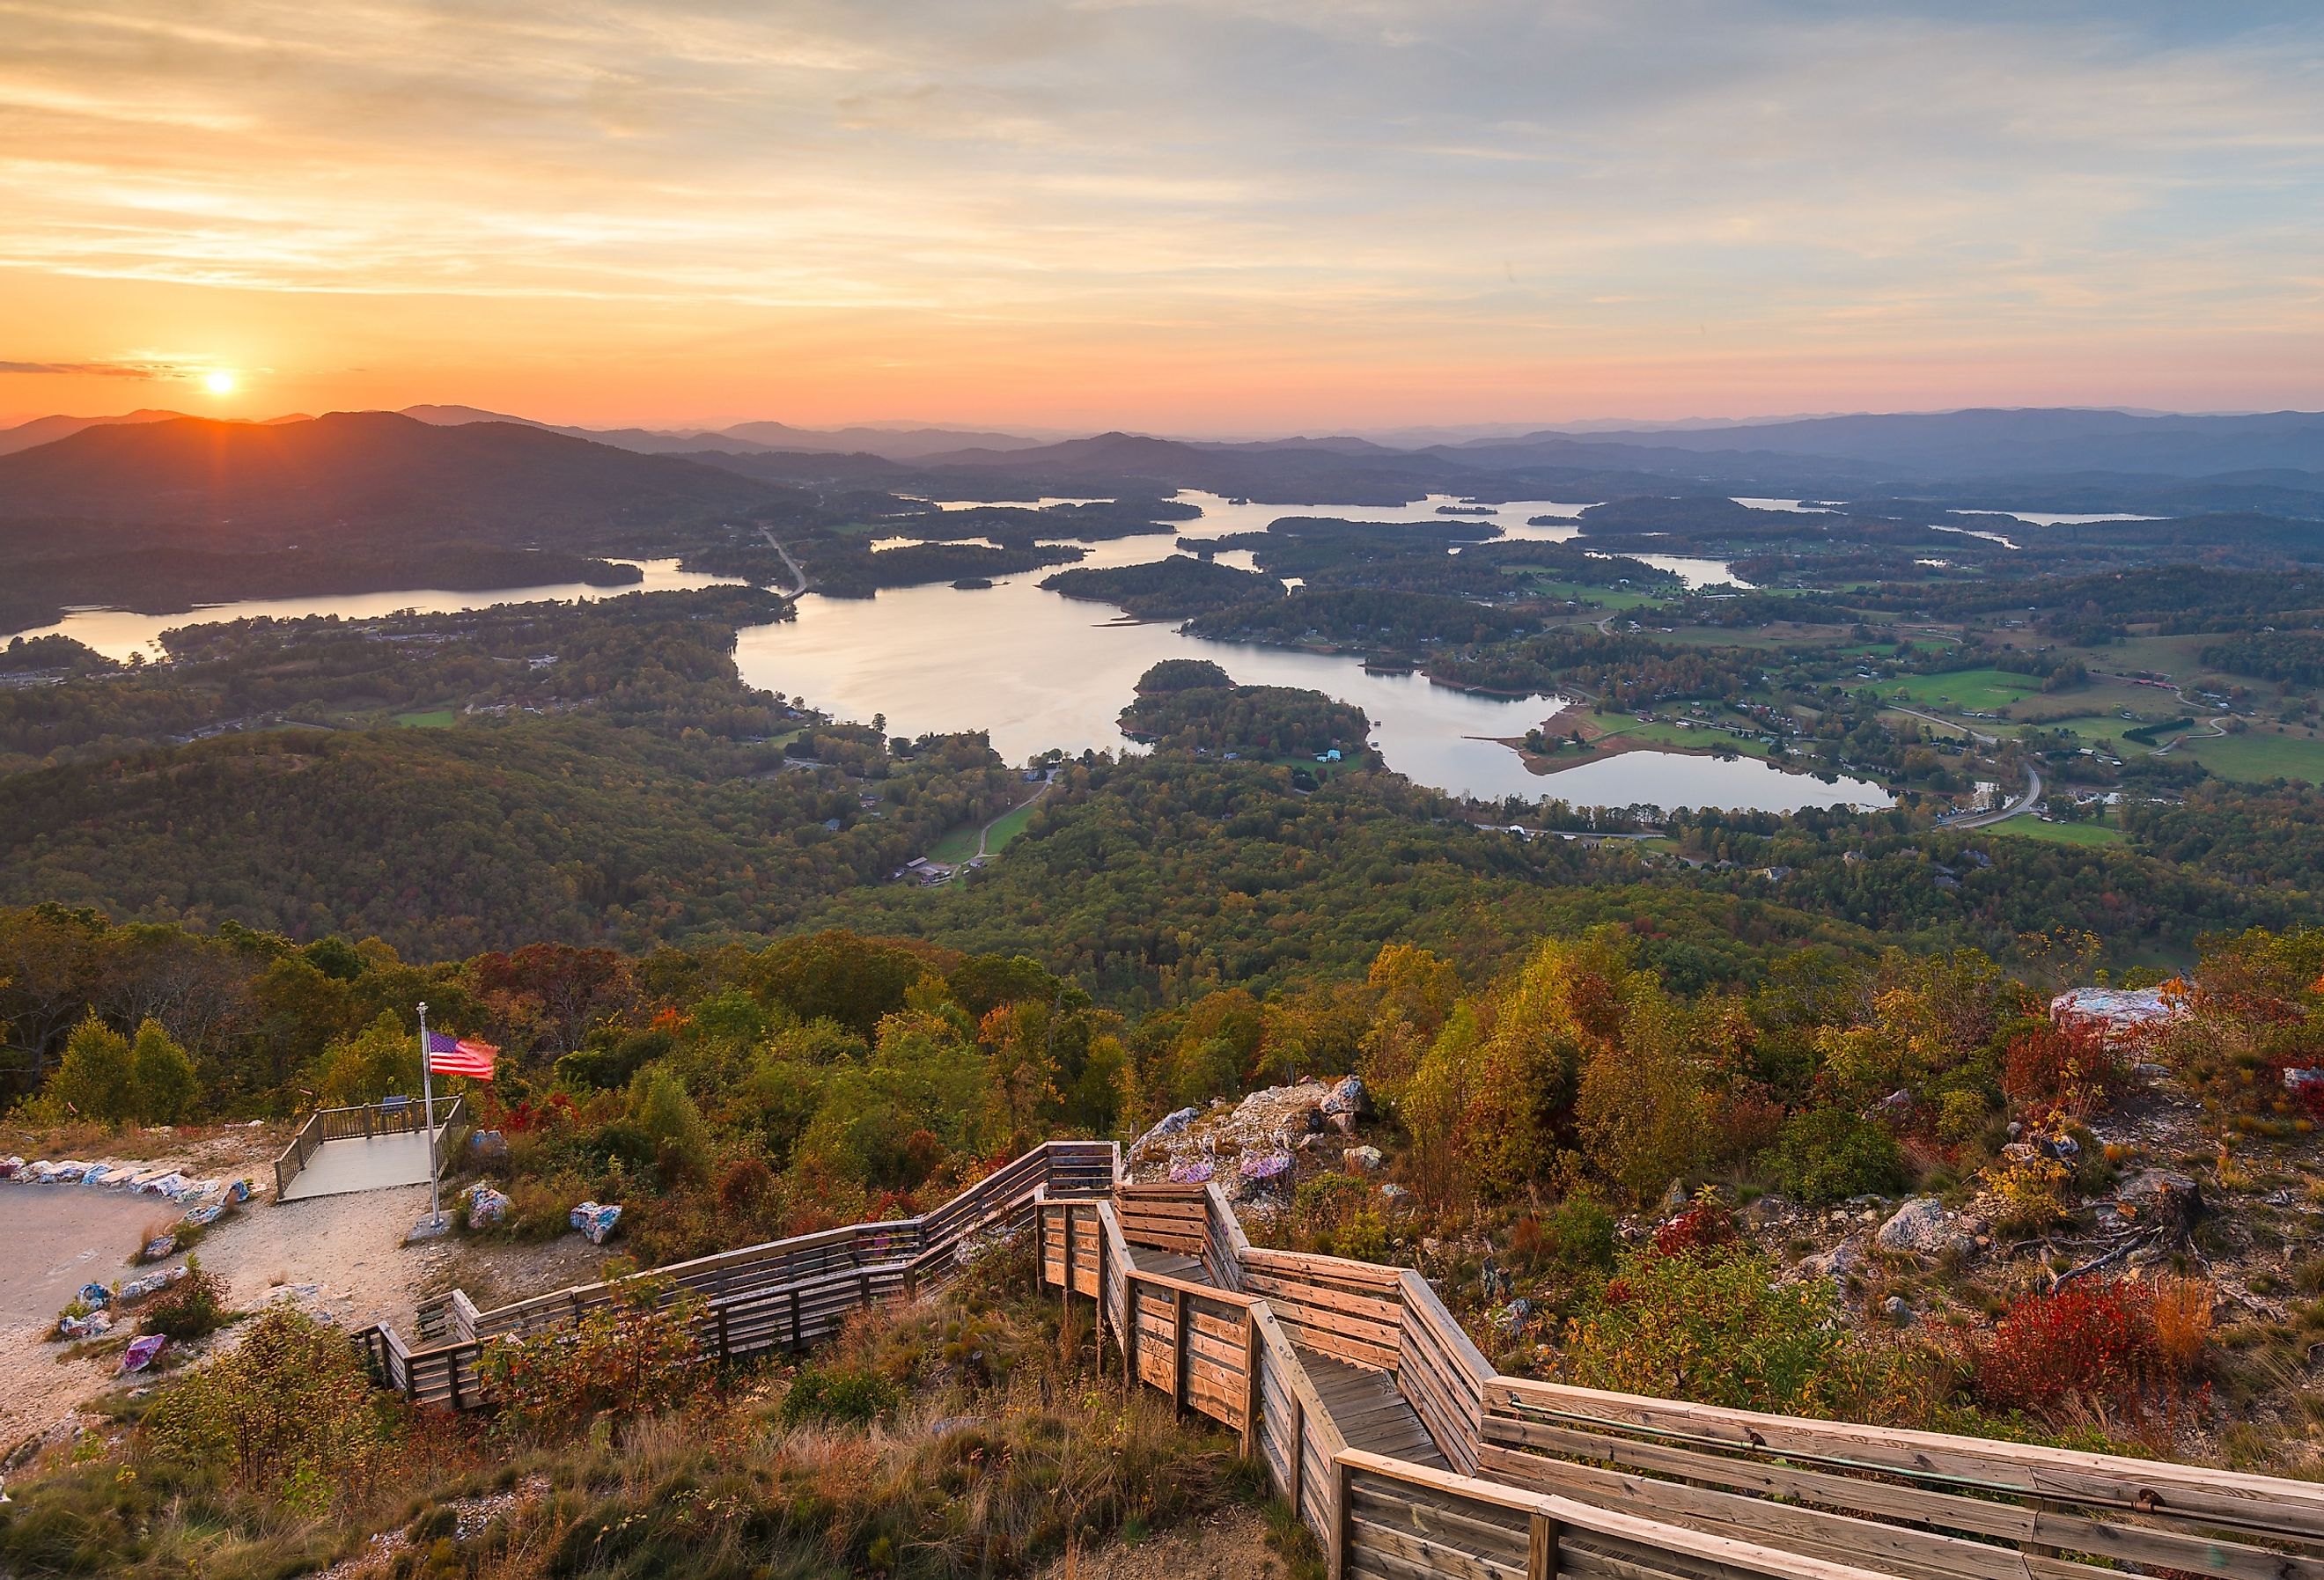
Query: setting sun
[218, 383]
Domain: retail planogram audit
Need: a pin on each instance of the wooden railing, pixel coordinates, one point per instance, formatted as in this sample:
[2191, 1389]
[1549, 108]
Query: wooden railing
[1886, 1493]
[1396, 1521]
[363, 1124]
[1548, 1479]
[1217, 1352]
[785, 1294]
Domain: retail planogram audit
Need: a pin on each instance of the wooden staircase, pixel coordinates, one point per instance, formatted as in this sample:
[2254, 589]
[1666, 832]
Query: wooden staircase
[1398, 1444]
[1410, 1457]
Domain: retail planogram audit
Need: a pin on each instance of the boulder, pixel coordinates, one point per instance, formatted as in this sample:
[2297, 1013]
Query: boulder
[1350, 1096]
[1169, 1125]
[1923, 1227]
[1395, 1194]
[486, 1147]
[1363, 1159]
[2158, 1195]
[1896, 1310]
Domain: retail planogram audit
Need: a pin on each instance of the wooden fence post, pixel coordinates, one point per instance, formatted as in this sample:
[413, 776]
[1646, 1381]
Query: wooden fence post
[724, 1353]
[1129, 1329]
[1252, 1359]
[1067, 1301]
[795, 1319]
[1100, 1224]
[1340, 1476]
[1541, 1553]
[1298, 1454]
[1179, 1336]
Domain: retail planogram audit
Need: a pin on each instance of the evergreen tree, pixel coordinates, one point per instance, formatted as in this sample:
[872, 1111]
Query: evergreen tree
[163, 1087]
[95, 1079]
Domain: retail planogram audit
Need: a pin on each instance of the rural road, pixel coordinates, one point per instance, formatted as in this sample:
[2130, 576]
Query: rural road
[799, 576]
[985, 833]
[1981, 739]
[2211, 724]
[2025, 803]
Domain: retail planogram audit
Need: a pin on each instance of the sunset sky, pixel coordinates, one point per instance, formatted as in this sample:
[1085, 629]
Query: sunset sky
[1304, 215]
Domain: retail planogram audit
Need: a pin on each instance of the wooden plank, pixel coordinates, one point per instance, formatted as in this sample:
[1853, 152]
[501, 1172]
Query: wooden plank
[1541, 1548]
[2152, 1487]
[1494, 1534]
[1276, 1285]
[2014, 1523]
[1340, 1346]
[1892, 1548]
[1335, 1268]
[1434, 1555]
[1747, 1557]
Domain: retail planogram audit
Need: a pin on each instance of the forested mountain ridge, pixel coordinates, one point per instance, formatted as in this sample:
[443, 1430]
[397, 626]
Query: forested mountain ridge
[355, 476]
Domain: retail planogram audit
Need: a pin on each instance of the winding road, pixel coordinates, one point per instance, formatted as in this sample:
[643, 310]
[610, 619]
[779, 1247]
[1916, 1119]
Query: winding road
[2023, 803]
[799, 576]
[1978, 737]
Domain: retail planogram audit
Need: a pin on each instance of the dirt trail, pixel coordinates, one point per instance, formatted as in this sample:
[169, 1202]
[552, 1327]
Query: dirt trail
[1228, 1545]
[341, 1257]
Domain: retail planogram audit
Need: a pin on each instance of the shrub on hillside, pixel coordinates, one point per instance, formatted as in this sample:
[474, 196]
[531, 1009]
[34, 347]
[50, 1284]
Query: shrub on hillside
[1704, 1226]
[193, 1307]
[2117, 1346]
[630, 1358]
[1829, 1154]
[2069, 1070]
[288, 1415]
[1715, 1329]
[839, 1396]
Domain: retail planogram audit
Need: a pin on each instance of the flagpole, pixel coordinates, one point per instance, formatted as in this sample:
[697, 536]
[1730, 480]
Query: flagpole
[427, 1119]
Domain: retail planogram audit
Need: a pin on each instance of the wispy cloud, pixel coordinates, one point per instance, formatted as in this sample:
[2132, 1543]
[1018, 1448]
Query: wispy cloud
[142, 367]
[1465, 195]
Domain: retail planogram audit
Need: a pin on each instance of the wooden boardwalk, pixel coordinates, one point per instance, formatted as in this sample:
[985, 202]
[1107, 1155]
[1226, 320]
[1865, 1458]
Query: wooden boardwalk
[1170, 1264]
[1370, 1411]
[1400, 1446]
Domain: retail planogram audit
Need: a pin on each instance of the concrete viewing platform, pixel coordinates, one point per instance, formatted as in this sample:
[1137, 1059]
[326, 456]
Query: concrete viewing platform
[363, 1163]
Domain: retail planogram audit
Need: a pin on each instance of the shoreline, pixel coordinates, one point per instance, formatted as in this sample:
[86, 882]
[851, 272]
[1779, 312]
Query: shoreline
[1601, 745]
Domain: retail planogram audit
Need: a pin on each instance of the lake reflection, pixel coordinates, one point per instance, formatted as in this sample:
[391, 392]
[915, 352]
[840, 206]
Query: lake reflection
[1036, 671]
[117, 634]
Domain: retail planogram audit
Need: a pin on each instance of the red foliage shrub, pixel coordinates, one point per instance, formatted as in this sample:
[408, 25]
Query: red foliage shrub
[516, 1118]
[2069, 1068]
[745, 1184]
[1704, 1226]
[2108, 1343]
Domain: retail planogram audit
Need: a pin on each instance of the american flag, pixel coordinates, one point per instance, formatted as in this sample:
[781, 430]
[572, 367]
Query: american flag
[460, 1056]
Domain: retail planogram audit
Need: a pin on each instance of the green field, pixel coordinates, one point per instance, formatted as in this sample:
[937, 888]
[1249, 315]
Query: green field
[433, 719]
[1606, 597]
[1945, 731]
[1985, 690]
[2060, 833]
[2258, 756]
[956, 846]
[1007, 827]
[1671, 735]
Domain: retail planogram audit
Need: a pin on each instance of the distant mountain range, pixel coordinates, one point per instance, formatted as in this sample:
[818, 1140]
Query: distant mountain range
[1983, 443]
[375, 467]
[895, 444]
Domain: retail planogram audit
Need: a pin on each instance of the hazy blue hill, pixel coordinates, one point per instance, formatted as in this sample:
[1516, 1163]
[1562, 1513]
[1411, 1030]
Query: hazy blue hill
[357, 474]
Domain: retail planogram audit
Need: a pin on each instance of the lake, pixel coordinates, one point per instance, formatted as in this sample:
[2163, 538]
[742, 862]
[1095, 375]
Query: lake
[118, 633]
[1036, 670]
